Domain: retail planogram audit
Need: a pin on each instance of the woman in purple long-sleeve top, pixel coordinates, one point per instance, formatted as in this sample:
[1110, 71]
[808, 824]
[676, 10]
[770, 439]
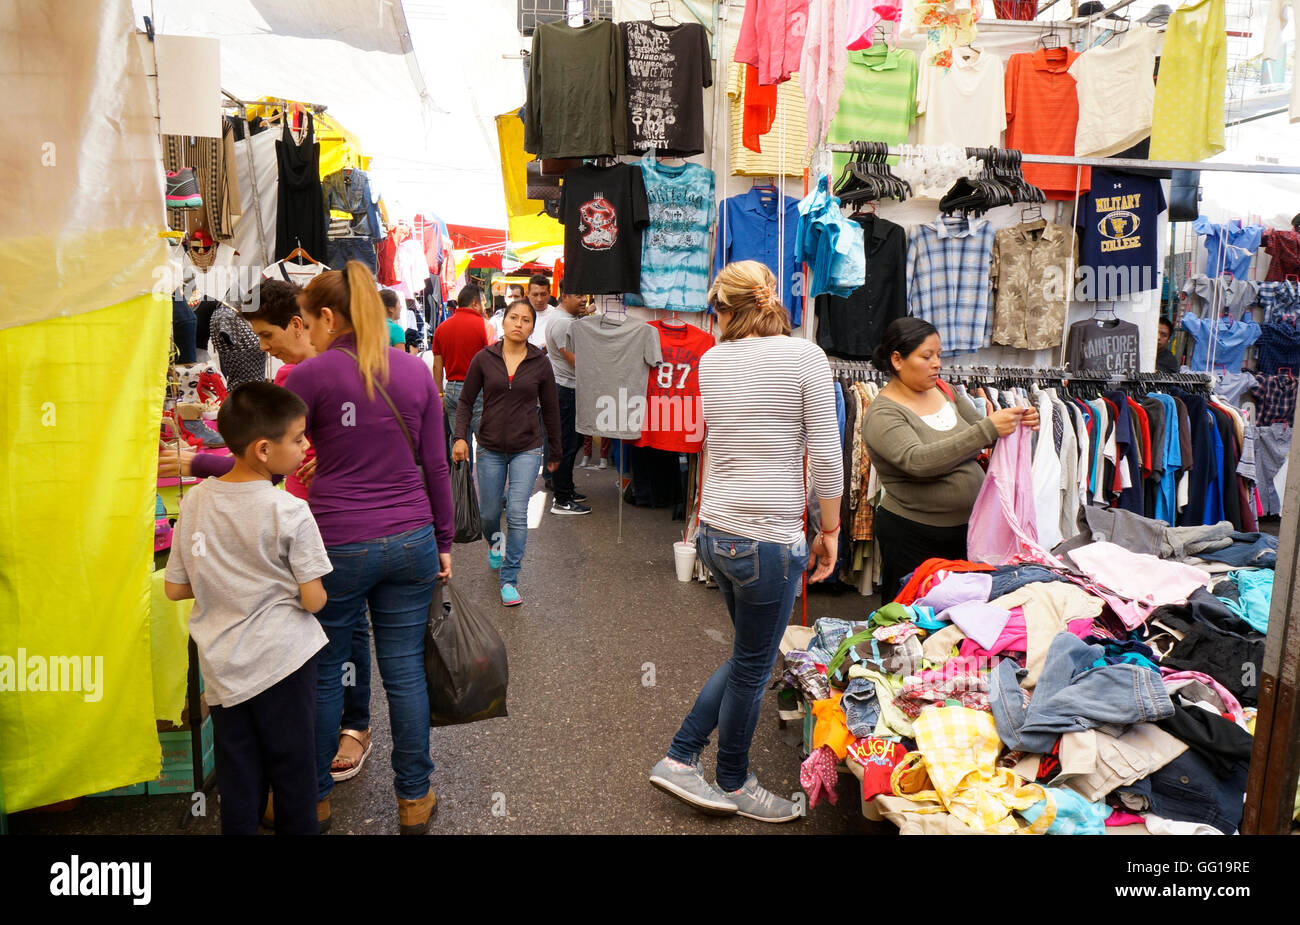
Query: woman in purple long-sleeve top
[388, 537]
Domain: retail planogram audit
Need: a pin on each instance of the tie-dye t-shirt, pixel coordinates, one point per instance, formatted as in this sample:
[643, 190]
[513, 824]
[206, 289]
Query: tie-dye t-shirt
[675, 247]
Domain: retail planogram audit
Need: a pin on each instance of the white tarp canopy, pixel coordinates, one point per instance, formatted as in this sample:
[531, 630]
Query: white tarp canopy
[418, 82]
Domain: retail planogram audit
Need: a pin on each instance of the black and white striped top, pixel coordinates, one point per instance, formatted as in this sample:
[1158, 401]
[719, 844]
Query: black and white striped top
[764, 399]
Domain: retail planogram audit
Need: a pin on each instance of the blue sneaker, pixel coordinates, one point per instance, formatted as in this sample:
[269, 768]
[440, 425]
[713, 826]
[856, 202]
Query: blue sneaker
[494, 560]
[510, 597]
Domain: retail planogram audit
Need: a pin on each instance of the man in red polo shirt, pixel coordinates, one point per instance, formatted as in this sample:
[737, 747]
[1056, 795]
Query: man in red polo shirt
[455, 342]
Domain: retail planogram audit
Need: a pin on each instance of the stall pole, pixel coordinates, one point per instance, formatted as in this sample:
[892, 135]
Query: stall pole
[1275, 759]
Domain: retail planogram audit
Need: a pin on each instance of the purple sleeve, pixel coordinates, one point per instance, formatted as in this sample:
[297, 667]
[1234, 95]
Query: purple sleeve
[433, 455]
[209, 465]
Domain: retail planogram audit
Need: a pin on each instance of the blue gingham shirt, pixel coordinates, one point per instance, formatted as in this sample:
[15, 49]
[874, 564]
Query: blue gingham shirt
[1279, 298]
[949, 262]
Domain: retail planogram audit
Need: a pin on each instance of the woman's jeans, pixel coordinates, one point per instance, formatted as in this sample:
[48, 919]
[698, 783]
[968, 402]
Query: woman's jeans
[758, 581]
[356, 680]
[395, 575]
[493, 470]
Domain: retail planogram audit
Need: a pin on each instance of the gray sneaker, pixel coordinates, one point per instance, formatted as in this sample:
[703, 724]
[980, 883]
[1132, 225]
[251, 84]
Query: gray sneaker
[754, 802]
[689, 785]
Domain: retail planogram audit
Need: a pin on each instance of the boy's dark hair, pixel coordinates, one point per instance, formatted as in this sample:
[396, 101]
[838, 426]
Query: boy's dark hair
[468, 295]
[389, 298]
[255, 411]
[1167, 323]
[277, 303]
[540, 279]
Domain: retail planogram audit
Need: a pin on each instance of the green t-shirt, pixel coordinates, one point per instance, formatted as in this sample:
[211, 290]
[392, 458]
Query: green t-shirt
[396, 336]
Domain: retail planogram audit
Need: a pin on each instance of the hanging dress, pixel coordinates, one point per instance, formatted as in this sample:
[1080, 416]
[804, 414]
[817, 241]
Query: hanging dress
[300, 209]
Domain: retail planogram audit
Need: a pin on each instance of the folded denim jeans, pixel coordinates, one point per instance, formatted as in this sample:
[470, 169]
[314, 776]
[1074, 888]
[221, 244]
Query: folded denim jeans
[1071, 696]
[1187, 790]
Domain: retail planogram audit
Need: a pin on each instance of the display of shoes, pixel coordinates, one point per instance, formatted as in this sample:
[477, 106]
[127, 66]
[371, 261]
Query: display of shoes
[206, 434]
[211, 387]
[183, 189]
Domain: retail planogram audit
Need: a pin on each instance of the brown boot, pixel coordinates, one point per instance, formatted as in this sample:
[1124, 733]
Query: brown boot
[323, 816]
[415, 815]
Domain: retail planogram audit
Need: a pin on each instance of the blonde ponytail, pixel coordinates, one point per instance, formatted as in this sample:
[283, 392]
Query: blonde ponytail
[353, 296]
[747, 289]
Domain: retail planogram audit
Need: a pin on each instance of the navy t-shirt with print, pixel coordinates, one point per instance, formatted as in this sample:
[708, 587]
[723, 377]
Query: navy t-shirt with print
[1117, 221]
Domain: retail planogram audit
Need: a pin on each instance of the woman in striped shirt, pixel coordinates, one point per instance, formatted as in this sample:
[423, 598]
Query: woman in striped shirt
[766, 398]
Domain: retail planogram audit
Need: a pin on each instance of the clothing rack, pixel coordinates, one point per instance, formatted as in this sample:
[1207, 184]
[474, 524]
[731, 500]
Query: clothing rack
[1056, 375]
[1113, 163]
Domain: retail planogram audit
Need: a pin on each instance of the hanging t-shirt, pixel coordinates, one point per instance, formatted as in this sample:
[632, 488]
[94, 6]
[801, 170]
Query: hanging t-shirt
[667, 69]
[675, 247]
[1110, 346]
[1117, 234]
[1043, 115]
[963, 105]
[879, 99]
[577, 92]
[674, 420]
[300, 274]
[604, 211]
[612, 361]
[1187, 115]
[1116, 92]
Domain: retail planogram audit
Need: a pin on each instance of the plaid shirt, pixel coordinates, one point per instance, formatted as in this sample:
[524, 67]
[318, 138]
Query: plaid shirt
[949, 262]
[1278, 297]
[1279, 347]
[954, 770]
[1276, 396]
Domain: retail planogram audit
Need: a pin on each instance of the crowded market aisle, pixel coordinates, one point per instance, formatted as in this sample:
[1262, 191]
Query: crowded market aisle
[583, 729]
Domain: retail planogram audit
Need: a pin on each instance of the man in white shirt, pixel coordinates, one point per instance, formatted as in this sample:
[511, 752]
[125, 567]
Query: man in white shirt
[539, 296]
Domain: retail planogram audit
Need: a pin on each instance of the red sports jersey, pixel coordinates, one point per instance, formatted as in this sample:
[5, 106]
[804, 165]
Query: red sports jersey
[673, 419]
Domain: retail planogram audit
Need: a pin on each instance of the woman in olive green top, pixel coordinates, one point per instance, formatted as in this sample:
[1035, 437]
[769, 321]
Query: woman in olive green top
[923, 444]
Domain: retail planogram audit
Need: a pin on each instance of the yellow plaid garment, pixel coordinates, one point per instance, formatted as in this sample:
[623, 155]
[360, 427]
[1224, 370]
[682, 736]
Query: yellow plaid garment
[954, 771]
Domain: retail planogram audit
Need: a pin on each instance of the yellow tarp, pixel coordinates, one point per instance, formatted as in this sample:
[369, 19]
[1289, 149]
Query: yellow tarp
[525, 217]
[79, 405]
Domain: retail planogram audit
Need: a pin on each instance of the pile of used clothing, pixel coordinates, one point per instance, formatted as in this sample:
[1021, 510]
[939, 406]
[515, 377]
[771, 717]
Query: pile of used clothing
[1117, 690]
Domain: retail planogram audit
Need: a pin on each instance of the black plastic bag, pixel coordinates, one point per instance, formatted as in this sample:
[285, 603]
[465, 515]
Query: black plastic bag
[465, 662]
[469, 526]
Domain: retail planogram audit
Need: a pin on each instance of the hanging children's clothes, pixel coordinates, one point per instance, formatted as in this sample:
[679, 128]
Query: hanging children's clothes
[830, 244]
[1229, 246]
[949, 264]
[1230, 340]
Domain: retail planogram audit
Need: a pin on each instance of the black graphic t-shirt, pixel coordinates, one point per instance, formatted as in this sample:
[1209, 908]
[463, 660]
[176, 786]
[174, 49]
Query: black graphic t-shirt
[1117, 230]
[668, 68]
[1106, 346]
[604, 210]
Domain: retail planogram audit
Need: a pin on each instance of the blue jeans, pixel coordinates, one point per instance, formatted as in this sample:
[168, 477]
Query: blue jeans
[341, 250]
[356, 695]
[493, 468]
[758, 581]
[450, 400]
[395, 576]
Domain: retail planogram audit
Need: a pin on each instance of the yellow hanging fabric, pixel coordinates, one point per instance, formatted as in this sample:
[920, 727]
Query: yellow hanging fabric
[1187, 121]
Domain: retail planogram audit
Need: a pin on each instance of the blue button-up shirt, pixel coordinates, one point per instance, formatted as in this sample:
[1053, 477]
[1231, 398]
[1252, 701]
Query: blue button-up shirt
[948, 267]
[749, 229]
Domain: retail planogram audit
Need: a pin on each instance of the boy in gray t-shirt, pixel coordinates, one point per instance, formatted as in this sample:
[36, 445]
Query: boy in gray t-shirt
[252, 558]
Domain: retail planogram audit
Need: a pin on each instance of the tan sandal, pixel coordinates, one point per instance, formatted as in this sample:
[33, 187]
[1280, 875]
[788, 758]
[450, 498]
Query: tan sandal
[349, 770]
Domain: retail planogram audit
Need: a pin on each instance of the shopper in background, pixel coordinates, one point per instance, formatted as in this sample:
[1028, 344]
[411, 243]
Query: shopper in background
[455, 343]
[393, 309]
[568, 500]
[924, 444]
[1166, 362]
[539, 297]
[388, 533]
[589, 447]
[767, 398]
[514, 377]
[252, 621]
